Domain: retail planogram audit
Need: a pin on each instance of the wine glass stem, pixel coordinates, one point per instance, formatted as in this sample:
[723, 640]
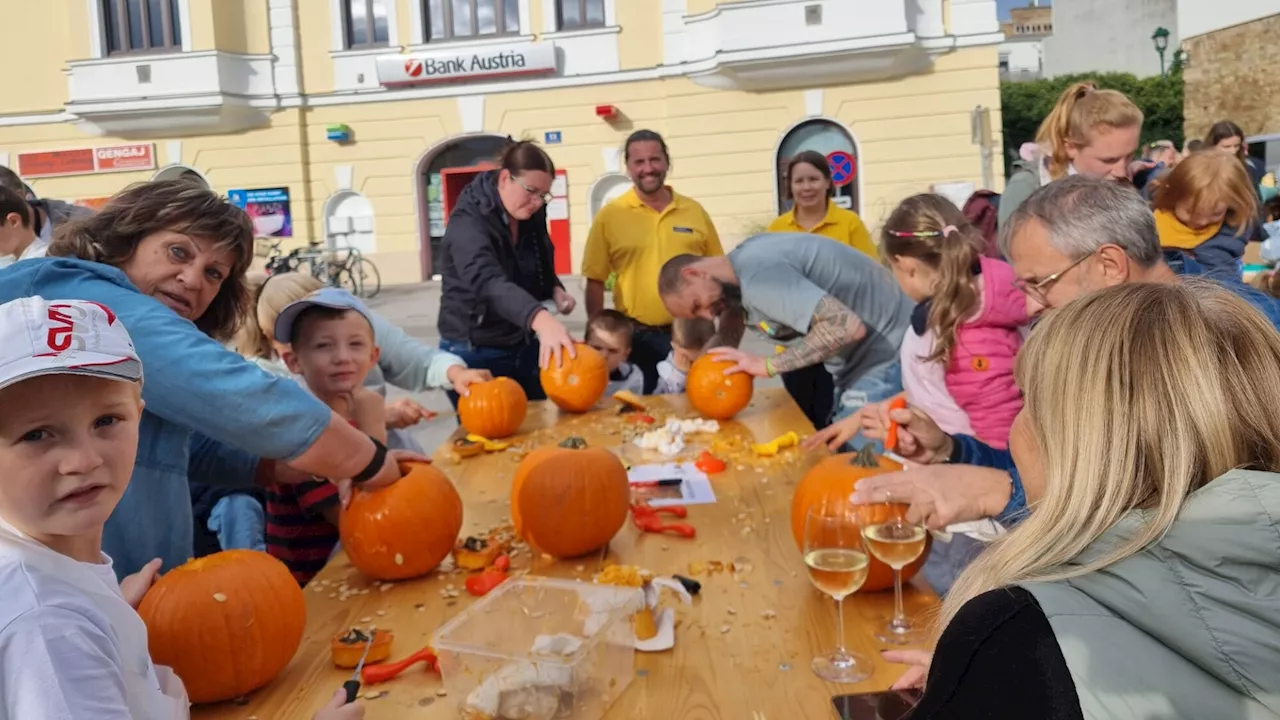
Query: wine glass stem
[840, 627]
[899, 615]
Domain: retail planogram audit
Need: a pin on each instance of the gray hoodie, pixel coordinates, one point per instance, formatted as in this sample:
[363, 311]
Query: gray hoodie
[1189, 627]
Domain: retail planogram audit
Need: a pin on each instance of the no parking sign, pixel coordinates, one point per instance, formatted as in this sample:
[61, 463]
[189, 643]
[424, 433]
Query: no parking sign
[843, 167]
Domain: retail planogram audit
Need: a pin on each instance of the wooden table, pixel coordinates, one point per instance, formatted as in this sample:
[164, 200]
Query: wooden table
[756, 669]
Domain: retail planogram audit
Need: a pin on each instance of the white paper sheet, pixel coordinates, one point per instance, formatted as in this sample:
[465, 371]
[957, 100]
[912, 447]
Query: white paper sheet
[695, 490]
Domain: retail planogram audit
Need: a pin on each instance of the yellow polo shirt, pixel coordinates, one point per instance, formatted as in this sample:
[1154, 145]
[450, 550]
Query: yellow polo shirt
[633, 240]
[839, 224]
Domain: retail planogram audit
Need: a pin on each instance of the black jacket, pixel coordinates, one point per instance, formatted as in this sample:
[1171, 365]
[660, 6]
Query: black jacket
[492, 287]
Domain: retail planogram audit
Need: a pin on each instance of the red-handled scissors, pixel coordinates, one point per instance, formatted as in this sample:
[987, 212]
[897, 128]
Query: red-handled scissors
[646, 518]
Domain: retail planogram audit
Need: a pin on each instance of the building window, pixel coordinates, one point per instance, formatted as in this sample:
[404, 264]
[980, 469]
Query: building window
[365, 22]
[449, 19]
[574, 14]
[141, 26]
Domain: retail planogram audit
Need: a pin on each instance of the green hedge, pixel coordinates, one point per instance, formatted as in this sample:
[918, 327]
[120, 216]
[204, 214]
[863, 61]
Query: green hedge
[1025, 104]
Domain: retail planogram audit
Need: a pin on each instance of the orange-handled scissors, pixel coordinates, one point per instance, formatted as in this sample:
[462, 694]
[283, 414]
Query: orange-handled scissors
[891, 433]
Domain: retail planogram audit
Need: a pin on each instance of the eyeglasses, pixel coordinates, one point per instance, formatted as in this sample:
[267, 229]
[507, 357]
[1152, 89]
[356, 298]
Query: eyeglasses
[1040, 288]
[545, 197]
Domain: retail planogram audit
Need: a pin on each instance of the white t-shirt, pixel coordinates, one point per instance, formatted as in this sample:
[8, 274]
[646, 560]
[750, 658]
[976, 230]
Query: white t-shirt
[70, 646]
[37, 249]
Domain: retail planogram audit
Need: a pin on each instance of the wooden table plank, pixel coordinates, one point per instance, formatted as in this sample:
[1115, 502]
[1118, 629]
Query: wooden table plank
[758, 665]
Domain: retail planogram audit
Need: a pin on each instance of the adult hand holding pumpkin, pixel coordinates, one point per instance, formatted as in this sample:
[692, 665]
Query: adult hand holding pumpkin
[941, 495]
[553, 339]
[753, 365]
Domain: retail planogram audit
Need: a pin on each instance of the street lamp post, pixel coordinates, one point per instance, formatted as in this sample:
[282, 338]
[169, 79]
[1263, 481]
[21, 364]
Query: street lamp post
[1160, 38]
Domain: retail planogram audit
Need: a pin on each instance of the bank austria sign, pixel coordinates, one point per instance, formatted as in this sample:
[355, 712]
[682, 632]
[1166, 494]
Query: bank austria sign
[481, 63]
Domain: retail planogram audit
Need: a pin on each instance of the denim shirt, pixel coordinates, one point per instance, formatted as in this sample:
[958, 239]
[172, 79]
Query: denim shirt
[190, 382]
[971, 451]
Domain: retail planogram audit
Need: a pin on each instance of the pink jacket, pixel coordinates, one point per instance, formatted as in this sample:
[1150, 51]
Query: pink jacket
[980, 374]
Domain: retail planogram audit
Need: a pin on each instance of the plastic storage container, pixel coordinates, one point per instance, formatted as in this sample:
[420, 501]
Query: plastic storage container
[540, 649]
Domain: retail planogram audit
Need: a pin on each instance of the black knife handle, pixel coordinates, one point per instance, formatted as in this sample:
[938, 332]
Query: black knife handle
[353, 690]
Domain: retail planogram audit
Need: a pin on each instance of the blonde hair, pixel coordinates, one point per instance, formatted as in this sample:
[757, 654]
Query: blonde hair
[920, 228]
[1127, 415]
[1204, 180]
[271, 293]
[1080, 109]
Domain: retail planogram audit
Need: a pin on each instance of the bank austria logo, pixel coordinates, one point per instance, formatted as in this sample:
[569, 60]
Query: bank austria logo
[508, 60]
[473, 65]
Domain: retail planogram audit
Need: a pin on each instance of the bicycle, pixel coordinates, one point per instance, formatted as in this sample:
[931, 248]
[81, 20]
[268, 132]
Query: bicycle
[345, 268]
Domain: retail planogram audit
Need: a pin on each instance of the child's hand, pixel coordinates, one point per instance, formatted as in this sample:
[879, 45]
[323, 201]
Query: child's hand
[406, 412]
[135, 586]
[835, 435]
[565, 302]
[461, 378]
[338, 709]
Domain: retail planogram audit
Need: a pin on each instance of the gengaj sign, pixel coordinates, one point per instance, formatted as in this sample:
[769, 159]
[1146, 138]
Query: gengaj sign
[470, 64]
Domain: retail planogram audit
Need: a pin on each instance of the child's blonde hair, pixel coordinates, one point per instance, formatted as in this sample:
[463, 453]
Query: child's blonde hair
[270, 293]
[1128, 415]
[1206, 179]
[931, 229]
[692, 333]
[612, 322]
[1080, 109]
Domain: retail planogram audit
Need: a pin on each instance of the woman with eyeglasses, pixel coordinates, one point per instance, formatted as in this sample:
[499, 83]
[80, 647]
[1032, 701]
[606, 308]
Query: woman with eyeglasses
[499, 281]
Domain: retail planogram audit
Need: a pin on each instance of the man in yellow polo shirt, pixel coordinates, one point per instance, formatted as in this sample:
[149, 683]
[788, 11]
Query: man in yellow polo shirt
[636, 234]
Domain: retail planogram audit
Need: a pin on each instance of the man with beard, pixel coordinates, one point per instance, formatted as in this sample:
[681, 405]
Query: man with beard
[633, 236]
[826, 301]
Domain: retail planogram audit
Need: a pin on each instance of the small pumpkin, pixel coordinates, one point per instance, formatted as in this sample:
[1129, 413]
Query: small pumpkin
[714, 394]
[579, 382]
[494, 408]
[227, 623]
[833, 480]
[405, 529]
[569, 499]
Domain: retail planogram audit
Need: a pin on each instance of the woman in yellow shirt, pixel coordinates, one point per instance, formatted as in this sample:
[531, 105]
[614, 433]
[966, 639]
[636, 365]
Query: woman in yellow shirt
[809, 184]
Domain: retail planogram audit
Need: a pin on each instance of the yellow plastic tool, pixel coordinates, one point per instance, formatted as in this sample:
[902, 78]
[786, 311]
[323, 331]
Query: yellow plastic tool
[782, 442]
[489, 445]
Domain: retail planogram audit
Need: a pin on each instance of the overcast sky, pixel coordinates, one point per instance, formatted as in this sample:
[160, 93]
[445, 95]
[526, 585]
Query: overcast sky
[1004, 6]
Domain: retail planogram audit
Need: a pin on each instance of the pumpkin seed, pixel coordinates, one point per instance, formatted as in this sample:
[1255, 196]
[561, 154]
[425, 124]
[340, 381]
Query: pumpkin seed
[219, 597]
[366, 619]
[380, 613]
[399, 559]
[442, 692]
[724, 629]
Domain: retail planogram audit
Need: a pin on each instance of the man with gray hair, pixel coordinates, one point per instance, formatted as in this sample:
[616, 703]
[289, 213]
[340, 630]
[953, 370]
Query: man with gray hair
[1071, 237]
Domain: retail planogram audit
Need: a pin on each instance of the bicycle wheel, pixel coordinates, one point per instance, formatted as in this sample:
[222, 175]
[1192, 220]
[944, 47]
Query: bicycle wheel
[347, 280]
[369, 277]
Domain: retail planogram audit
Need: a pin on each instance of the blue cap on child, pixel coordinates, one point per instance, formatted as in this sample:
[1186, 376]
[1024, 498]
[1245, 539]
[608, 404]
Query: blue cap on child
[329, 297]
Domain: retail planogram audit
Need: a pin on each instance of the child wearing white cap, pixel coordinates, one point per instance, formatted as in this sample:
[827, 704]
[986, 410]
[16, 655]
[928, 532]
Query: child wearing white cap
[71, 644]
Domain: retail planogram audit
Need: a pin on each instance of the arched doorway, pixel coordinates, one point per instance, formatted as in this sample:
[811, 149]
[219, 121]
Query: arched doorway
[457, 152]
[824, 136]
[173, 172]
[605, 189]
[348, 222]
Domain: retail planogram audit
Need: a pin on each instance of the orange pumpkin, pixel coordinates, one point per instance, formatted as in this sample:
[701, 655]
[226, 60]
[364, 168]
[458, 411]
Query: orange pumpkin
[834, 479]
[493, 409]
[569, 499]
[579, 382]
[714, 394]
[226, 623]
[402, 530]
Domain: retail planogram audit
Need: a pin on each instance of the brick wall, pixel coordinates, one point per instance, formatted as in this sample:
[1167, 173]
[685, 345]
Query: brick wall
[1232, 75]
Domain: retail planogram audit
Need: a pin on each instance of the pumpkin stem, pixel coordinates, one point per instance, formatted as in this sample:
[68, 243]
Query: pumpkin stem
[866, 457]
[573, 442]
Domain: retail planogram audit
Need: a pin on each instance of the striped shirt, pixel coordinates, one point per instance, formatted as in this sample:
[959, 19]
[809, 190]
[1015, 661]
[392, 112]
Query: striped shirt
[297, 532]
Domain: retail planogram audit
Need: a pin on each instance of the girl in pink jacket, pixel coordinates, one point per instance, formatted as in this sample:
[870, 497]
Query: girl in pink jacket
[957, 356]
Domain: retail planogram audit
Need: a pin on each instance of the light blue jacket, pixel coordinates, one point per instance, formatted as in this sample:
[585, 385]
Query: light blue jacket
[190, 382]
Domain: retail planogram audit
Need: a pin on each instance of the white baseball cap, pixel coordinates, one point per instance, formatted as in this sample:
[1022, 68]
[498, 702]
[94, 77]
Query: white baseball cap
[64, 337]
[335, 298]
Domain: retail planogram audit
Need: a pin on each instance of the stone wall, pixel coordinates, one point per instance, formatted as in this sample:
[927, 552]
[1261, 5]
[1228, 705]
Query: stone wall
[1231, 75]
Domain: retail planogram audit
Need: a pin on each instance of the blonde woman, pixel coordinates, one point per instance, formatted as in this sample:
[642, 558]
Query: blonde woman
[1207, 207]
[1144, 584]
[1090, 132]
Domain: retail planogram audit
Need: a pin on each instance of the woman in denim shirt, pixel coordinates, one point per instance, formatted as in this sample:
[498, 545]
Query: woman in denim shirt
[169, 259]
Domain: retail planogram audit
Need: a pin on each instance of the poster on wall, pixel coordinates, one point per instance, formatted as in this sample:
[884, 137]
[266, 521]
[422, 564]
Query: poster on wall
[268, 208]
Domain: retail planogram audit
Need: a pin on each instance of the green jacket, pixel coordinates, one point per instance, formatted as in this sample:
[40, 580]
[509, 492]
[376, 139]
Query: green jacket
[1189, 627]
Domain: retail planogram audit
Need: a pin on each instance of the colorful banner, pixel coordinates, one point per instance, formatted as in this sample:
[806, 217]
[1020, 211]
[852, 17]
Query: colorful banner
[268, 207]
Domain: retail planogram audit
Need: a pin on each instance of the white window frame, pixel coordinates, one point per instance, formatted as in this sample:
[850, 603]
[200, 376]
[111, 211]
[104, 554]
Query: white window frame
[97, 38]
[419, 41]
[338, 30]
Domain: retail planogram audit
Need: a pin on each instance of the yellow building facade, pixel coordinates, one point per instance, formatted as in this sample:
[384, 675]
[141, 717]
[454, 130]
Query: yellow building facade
[357, 111]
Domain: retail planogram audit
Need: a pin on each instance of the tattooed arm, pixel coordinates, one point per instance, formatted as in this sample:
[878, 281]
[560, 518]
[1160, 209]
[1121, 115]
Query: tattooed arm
[833, 327]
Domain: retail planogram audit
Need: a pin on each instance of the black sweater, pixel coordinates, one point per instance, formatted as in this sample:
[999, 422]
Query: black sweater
[492, 287]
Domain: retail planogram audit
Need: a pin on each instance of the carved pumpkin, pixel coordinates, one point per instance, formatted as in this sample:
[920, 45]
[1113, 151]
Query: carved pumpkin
[226, 623]
[579, 382]
[569, 499]
[402, 530]
[834, 479]
[493, 409]
[714, 394]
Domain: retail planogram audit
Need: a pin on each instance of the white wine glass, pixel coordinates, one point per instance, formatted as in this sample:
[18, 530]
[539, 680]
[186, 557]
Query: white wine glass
[837, 564]
[897, 542]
